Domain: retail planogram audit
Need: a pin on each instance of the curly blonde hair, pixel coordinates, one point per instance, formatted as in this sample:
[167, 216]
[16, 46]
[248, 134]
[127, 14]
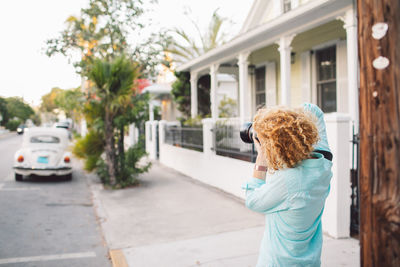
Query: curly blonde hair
[286, 136]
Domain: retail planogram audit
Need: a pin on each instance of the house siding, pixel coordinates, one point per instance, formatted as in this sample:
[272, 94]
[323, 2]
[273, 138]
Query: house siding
[330, 31]
[268, 54]
[305, 41]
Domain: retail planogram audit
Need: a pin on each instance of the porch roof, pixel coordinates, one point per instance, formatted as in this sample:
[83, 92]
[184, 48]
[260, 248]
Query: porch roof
[298, 20]
[158, 89]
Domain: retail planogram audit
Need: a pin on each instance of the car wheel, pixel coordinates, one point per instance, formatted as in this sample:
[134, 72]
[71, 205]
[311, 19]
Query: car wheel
[18, 177]
[68, 177]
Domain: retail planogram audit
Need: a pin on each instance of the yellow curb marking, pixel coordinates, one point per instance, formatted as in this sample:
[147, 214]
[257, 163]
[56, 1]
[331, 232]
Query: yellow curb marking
[118, 258]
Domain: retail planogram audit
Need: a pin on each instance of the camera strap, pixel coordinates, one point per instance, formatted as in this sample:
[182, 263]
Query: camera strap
[328, 155]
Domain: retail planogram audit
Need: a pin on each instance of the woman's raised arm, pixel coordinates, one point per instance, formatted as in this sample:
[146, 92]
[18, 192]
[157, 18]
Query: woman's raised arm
[322, 144]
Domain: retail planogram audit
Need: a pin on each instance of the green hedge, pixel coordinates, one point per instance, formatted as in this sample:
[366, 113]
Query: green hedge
[12, 125]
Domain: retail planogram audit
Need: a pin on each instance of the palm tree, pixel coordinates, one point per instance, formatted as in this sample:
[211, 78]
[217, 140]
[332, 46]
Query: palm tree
[113, 82]
[183, 46]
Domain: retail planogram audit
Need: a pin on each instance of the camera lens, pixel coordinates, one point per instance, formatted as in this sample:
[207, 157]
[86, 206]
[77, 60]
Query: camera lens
[246, 133]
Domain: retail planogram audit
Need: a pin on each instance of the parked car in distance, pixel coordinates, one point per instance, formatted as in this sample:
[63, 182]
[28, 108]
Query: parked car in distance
[43, 152]
[21, 129]
[64, 125]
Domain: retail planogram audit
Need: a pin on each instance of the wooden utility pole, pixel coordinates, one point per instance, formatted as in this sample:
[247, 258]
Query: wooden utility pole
[379, 54]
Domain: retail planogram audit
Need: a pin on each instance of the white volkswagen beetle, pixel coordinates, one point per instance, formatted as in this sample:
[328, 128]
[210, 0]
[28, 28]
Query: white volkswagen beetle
[43, 152]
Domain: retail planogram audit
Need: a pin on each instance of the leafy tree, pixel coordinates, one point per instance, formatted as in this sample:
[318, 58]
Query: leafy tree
[101, 31]
[14, 112]
[4, 111]
[99, 36]
[17, 108]
[49, 100]
[36, 119]
[71, 102]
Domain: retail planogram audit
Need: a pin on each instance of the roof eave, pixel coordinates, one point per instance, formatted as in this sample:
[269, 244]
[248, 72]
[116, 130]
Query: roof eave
[283, 24]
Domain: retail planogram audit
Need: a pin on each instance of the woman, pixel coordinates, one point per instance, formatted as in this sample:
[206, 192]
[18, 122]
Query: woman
[293, 195]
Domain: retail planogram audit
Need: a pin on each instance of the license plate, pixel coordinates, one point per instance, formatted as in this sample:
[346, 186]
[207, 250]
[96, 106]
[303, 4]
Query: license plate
[43, 160]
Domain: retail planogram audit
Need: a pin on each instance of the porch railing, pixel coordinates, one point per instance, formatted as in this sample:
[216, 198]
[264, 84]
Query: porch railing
[186, 137]
[227, 142]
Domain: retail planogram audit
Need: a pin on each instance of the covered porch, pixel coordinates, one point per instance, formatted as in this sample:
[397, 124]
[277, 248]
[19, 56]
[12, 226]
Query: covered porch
[277, 62]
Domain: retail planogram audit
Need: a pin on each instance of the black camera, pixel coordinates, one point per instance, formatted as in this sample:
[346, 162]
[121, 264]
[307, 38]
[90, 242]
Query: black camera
[247, 133]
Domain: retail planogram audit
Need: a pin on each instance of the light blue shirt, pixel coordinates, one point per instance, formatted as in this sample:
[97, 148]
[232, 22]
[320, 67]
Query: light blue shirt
[293, 200]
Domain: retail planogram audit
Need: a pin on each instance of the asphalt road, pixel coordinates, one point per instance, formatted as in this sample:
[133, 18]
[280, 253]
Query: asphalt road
[46, 221]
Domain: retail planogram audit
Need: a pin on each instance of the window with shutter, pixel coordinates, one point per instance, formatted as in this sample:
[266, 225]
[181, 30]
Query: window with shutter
[326, 79]
[260, 86]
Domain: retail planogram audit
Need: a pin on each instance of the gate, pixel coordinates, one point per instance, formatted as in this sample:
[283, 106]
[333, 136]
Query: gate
[355, 195]
[157, 142]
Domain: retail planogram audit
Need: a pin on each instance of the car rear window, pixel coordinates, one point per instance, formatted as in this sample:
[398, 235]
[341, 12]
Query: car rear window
[45, 139]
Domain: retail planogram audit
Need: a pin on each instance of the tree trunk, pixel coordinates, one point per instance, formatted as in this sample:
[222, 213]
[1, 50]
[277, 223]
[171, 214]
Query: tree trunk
[121, 150]
[110, 147]
[379, 134]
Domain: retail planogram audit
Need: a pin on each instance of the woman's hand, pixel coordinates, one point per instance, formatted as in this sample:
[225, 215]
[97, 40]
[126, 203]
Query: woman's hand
[257, 144]
[261, 161]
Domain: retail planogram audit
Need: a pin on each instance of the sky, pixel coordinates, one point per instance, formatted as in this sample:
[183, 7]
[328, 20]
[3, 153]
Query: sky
[25, 25]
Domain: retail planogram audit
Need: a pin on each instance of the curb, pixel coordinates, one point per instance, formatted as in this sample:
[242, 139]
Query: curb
[118, 258]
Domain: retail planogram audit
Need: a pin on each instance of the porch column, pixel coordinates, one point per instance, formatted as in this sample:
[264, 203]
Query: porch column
[151, 110]
[284, 50]
[244, 91]
[132, 134]
[350, 25]
[84, 129]
[193, 94]
[213, 90]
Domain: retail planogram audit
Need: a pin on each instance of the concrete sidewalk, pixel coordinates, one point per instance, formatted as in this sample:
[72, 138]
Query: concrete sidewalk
[173, 220]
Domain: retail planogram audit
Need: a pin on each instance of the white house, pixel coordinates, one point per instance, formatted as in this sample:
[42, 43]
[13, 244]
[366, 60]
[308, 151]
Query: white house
[288, 52]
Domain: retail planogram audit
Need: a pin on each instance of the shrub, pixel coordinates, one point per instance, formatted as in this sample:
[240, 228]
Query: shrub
[101, 171]
[91, 162]
[76, 135]
[227, 108]
[90, 147]
[12, 125]
[133, 156]
[127, 175]
[193, 122]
